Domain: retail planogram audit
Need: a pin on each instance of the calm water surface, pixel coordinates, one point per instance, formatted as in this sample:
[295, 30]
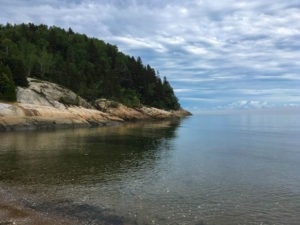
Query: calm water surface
[212, 170]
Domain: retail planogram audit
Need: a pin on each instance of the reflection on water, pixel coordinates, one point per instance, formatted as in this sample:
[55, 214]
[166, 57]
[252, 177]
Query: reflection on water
[241, 169]
[70, 156]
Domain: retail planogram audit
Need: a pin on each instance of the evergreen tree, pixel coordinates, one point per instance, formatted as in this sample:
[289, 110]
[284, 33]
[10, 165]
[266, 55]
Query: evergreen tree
[7, 87]
[90, 67]
[18, 70]
[170, 100]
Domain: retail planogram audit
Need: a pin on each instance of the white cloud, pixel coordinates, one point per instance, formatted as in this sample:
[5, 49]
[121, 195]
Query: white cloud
[199, 99]
[196, 50]
[140, 43]
[192, 80]
[247, 104]
[287, 76]
[278, 91]
[182, 90]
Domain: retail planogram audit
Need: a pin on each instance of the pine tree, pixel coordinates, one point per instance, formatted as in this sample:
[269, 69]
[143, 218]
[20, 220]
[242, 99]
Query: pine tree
[7, 87]
[90, 67]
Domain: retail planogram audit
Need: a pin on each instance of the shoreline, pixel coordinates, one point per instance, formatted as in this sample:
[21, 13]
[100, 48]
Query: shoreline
[45, 105]
[24, 117]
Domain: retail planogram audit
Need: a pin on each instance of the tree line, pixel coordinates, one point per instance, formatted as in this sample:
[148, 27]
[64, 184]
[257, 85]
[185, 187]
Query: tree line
[88, 66]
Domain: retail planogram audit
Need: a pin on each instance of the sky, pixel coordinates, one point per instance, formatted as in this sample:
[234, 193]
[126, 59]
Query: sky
[217, 54]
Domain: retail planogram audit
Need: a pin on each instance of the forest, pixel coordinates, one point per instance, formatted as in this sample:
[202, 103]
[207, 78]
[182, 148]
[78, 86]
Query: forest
[90, 67]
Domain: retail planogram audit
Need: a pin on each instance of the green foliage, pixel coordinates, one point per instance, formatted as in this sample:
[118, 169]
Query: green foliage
[130, 98]
[170, 100]
[113, 104]
[90, 67]
[7, 87]
[18, 70]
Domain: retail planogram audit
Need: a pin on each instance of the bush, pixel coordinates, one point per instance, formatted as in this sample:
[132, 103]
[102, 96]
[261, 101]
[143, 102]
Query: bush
[130, 98]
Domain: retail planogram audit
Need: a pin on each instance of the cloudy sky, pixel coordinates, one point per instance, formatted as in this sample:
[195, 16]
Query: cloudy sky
[217, 54]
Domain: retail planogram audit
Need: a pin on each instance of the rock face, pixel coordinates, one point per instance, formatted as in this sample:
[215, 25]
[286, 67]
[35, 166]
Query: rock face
[119, 110]
[131, 114]
[49, 94]
[47, 105]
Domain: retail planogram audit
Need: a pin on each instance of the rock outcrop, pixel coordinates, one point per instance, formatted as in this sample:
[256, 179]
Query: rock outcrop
[47, 105]
[49, 94]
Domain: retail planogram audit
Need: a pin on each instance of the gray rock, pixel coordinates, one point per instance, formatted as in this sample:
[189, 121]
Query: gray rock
[49, 94]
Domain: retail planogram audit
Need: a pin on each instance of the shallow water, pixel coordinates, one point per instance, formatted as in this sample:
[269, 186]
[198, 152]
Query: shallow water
[212, 170]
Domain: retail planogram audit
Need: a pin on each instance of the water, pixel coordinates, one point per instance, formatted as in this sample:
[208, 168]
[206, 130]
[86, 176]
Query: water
[212, 170]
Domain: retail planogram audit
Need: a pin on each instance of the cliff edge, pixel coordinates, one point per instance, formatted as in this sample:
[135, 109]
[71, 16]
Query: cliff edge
[46, 105]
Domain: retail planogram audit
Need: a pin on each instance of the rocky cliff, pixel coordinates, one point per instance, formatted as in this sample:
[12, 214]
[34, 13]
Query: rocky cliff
[47, 105]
